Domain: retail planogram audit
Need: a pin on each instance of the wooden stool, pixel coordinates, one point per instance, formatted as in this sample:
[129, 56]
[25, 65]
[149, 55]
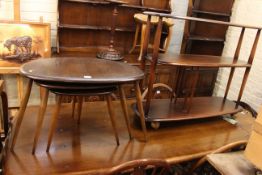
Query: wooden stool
[141, 20]
[80, 93]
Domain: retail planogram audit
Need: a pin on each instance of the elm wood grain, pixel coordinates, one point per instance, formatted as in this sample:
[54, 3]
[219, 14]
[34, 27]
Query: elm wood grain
[154, 61]
[72, 86]
[82, 148]
[192, 60]
[201, 107]
[236, 56]
[214, 5]
[112, 117]
[203, 20]
[143, 8]
[140, 109]
[205, 39]
[50, 74]
[137, 4]
[74, 70]
[71, 26]
[124, 107]
[77, 45]
[54, 121]
[208, 29]
[247, 71]
[200, 61]
[211, 13]
[80, 93]
[78, 18]
[111, 53]
[40, 118]
[20, 114]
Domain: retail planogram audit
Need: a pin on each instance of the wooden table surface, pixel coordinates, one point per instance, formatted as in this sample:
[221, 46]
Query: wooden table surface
[91, 146]
[81, 70]
[190, 60]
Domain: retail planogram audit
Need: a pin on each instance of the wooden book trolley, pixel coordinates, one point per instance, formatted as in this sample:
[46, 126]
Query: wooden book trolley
[190, 107]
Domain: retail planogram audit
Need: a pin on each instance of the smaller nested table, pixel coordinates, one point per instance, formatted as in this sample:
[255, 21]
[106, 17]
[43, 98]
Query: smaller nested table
[78, 77]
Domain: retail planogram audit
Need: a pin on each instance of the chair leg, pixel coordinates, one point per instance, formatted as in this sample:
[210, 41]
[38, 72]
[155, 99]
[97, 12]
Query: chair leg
[141, 109]
[73, 106]
[79, 109]
[143, 32]
[40, 118]
[124, 107]
[21, 112]
[112, 116]
[135, 40]
[54, 121]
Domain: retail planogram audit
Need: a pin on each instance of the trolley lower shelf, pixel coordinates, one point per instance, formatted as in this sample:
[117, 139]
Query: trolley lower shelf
[163, 110]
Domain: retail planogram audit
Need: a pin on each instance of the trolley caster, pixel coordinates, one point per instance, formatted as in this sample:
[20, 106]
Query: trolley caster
[155, 125]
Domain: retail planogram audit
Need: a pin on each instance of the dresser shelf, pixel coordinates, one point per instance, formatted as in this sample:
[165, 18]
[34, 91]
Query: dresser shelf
[208, 39]
[211, 13]
[89, 27]
[86, 24]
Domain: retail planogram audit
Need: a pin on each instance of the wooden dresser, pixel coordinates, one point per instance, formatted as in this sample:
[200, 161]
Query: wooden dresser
[84, 25]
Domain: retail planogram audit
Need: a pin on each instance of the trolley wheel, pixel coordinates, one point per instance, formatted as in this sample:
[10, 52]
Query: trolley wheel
[155, 125]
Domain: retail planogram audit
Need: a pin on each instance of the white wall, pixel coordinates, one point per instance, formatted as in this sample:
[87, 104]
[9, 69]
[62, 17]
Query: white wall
[6, 9]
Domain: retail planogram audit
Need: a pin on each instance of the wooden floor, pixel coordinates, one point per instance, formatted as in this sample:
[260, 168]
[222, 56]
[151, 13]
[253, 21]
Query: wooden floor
[92, 146]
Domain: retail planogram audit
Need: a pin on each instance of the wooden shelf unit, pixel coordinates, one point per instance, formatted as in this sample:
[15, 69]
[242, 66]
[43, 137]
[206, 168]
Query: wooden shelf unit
[191, 107]
[205, 39]
[85, 24]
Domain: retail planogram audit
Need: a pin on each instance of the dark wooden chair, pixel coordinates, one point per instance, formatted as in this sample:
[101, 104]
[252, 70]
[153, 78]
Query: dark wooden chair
[141, 167]
[243, 162]
[134, 167]
[4, 129]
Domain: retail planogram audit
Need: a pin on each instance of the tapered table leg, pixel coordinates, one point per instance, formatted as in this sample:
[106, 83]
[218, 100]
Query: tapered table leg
[124, 107]
[79, 109]
[141, 109]
[54, 121]
[21, 112]
[112, 116]
[40, 118]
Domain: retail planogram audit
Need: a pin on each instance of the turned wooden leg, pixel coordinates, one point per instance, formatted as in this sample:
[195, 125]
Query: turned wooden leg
[21, 112]
[135, 40]
[54, 121]
[141, 109]
[124, 107]
[143, 32]
[112, 116]
[40, 118]
[79, 109]
[73, 106]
